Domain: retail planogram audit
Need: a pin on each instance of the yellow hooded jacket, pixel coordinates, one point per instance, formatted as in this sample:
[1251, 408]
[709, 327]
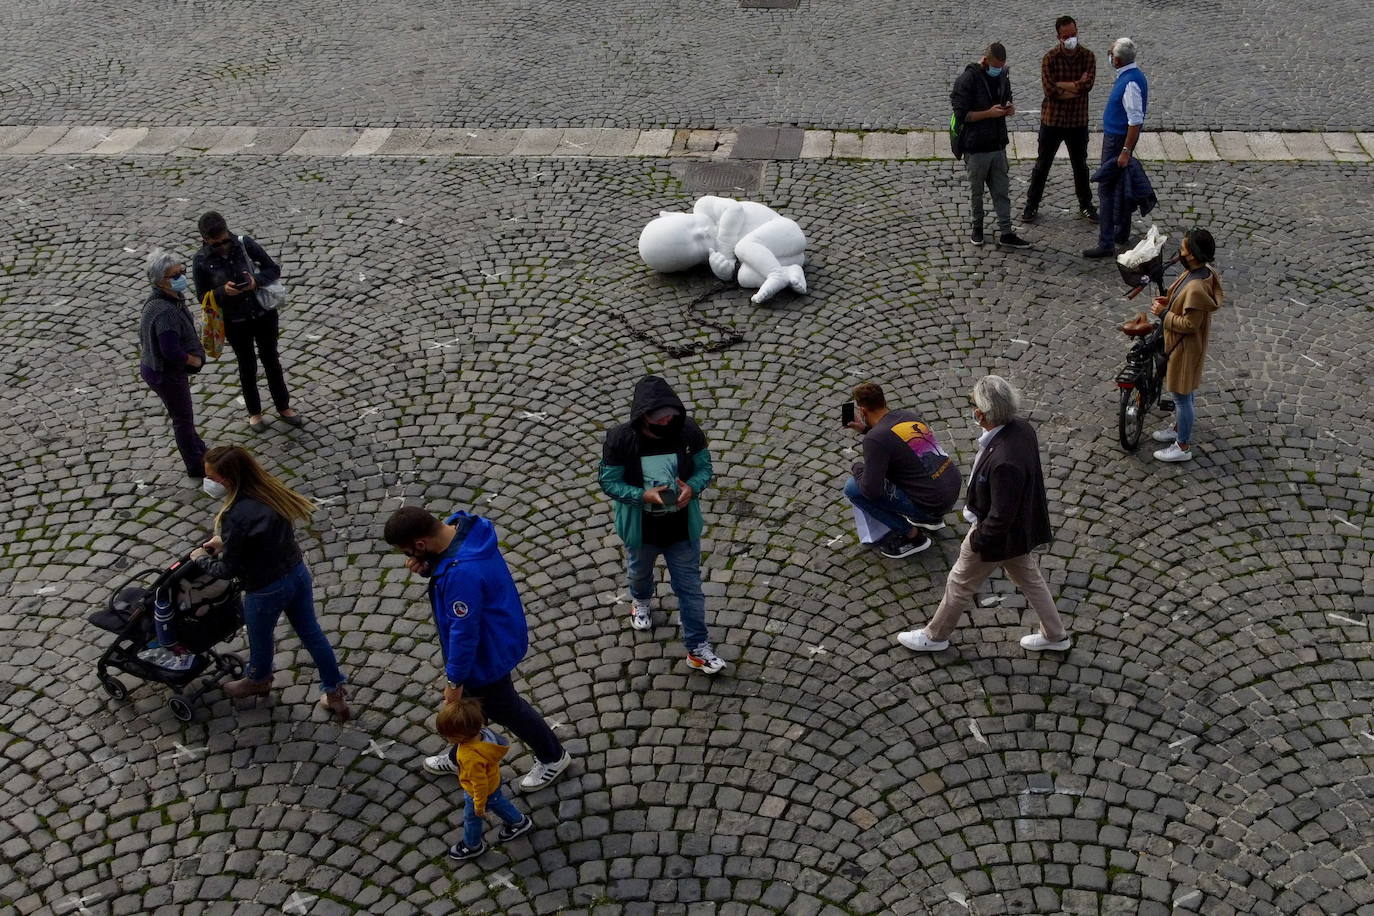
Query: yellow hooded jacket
[479, 767]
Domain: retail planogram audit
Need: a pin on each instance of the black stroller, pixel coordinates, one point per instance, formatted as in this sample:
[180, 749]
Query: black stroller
[205, 611]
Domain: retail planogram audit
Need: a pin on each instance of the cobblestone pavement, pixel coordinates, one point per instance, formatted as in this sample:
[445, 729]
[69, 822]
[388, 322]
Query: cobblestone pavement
[691, 63]
[462, 331]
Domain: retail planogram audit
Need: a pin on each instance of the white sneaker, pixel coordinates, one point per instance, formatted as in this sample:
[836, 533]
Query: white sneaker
[639, 614]
[1036, 642]
[441, 765]
[1168, 434]
[1174, 453]
[918, 641]
[543, 774]
[704, 659]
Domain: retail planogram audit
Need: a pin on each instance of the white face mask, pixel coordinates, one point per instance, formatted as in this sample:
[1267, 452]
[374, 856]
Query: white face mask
[214, 488]
[1070, 43]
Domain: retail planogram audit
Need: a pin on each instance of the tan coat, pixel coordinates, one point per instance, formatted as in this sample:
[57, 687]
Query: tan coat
[1187, 324]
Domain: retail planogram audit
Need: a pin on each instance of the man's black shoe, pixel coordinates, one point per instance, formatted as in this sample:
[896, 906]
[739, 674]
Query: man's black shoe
[976, 237]
[1089, 213]
[1101, 251]
[1012, 240]
[1029, 214]
[896, 547]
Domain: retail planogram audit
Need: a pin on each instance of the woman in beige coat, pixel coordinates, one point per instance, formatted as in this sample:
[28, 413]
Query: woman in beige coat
[1187, 311]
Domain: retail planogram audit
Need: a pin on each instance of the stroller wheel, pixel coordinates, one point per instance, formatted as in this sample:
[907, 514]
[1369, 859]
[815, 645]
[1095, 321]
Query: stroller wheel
[114, 687]
[232, 664]
[181, 708]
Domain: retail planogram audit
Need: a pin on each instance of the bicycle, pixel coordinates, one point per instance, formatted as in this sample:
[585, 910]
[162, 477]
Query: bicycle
[1140, 382]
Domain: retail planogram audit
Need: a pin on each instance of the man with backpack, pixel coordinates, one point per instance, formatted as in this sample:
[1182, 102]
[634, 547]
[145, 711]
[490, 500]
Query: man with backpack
[982, 103]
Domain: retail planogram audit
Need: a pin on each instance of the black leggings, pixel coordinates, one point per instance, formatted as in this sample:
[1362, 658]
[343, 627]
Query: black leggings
[259, 333]
[504, 706]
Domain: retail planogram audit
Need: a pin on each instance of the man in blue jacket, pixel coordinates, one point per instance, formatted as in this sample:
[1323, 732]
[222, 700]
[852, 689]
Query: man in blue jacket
[1122, 120]
[482, 629]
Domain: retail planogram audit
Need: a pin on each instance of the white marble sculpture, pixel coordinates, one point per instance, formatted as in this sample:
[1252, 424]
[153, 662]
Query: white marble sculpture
[769, 249]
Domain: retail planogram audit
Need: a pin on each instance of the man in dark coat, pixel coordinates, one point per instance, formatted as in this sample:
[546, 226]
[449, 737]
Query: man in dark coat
[1009, 515]
[981, 100]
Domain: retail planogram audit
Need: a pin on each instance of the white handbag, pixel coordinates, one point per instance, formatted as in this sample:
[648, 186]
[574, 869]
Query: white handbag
[272, 296]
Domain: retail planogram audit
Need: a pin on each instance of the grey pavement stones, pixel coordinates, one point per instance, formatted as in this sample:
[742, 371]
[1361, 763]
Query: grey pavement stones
[694, 63]
[1206, 745]
[757, 143]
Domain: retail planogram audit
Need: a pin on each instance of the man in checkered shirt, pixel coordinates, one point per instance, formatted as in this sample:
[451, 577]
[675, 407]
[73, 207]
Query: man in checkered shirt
[1067, 73]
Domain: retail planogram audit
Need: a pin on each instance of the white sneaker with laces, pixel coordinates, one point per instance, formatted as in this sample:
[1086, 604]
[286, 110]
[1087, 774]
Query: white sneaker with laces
[1174, 453]
[918, 641]
[639, 614]
[441, 765]
[1168, 434]
[1036, 642]
[703, 658]
[543, 774]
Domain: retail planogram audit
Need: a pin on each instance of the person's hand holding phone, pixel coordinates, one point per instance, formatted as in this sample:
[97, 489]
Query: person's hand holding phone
[654, 495]
[247, 284]
[684, 494]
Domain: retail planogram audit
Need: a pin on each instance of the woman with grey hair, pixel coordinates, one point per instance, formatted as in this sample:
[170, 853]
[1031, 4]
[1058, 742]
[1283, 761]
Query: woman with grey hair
[169, 349]
[1008, 514]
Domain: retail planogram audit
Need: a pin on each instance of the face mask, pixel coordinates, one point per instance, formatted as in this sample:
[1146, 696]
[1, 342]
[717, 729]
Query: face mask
[1070, 43]
[214, 488]
[180, 284]
[994, 71]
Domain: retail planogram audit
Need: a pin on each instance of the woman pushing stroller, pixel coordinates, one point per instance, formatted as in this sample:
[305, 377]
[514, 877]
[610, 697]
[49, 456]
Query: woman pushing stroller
[255, 542]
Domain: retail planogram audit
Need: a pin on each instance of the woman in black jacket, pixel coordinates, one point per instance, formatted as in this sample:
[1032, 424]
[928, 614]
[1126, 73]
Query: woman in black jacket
[255, 542]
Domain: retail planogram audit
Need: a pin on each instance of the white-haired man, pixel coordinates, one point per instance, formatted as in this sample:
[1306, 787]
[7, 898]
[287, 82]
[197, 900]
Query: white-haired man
[1009, 514]
[1122, 119]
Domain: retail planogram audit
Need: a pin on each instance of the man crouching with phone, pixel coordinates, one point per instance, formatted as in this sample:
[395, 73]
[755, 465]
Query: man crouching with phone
[906, 481]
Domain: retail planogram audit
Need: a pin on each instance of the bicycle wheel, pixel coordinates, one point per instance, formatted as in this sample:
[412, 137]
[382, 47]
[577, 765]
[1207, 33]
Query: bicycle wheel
[1130, 418]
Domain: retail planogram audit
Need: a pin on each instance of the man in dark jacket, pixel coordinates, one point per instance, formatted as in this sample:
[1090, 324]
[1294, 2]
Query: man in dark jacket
[655, 467]
[1009, 515]
[482, 629]
[906, 481]
[982, 103]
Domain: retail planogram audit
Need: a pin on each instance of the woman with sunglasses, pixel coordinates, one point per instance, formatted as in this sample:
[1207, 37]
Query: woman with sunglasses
[169, 350]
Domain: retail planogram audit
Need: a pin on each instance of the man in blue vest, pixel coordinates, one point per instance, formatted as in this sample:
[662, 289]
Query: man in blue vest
[1121, 123]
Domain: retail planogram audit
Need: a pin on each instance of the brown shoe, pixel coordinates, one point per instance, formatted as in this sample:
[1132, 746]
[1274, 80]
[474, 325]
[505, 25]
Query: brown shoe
[336, 702]
[247, 687]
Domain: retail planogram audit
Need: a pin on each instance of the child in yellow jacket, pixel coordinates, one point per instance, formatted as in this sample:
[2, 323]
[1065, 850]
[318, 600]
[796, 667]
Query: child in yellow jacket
[480, 750]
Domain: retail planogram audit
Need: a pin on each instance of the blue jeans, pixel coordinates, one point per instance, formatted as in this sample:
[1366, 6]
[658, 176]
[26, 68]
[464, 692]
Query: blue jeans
[1113, 219]
[473, 825]
[684, 570]
[262, 609]
[1183, 417]
[890, 509]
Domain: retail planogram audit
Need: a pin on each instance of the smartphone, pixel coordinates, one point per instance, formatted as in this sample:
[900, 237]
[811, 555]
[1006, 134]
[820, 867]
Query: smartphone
[846, 413]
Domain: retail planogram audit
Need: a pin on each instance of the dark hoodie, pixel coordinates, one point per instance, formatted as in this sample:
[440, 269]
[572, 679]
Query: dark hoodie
[974, 90]
[622, 474]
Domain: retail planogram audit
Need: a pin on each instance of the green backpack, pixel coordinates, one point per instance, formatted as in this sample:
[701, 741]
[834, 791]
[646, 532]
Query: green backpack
[956, 140]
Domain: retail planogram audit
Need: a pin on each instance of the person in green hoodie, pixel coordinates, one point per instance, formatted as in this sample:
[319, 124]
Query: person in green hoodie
[655, 467]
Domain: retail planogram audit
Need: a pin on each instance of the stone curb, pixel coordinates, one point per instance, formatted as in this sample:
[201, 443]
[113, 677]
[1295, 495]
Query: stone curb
[595, 142]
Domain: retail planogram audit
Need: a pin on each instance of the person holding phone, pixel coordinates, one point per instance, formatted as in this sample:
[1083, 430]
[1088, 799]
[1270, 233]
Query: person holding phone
[235, 267]
[982, 103]
[655, 467]
[906, 480]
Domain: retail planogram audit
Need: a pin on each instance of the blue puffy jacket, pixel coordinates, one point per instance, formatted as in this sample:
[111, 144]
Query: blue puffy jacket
[482, 629]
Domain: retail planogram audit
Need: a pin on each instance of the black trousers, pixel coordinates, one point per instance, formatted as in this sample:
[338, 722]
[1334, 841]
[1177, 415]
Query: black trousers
[504, 706]
[258, 334]
[1076, 139]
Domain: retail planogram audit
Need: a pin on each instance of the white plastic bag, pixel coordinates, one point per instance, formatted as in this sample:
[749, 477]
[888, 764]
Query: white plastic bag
[1148, 249]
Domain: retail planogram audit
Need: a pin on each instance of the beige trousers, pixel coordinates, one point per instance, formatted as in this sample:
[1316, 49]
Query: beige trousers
[971, 571]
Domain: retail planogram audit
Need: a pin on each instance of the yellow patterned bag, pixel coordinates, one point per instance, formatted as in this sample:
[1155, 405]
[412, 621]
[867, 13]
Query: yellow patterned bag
[212, 327]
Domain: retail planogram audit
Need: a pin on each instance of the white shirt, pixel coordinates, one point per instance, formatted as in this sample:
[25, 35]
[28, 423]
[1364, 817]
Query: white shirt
[983, 441]
[1131, 100]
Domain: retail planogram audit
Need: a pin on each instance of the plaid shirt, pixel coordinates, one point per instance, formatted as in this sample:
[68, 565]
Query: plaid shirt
[1060, 66]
